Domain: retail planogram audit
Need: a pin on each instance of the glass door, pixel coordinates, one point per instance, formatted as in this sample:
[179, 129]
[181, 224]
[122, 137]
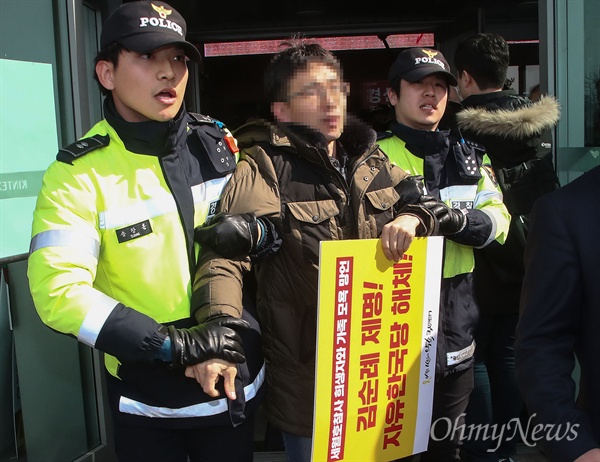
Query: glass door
[575, 46]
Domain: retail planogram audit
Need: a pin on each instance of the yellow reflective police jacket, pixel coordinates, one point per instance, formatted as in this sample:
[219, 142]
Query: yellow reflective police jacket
[459, 173]
[112, 254]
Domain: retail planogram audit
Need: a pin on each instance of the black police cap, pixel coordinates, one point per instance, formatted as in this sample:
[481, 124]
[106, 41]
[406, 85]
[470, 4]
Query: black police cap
[414, 64]
[144, 26]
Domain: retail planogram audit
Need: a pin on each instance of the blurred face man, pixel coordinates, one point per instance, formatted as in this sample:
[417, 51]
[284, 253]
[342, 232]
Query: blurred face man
[146, 86]
[317, 99]
[420, 105]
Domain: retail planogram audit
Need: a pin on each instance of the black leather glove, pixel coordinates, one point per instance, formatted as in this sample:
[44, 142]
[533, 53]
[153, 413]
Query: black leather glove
[411, 189]
[215, 338]
[452, 221]
[232, 236]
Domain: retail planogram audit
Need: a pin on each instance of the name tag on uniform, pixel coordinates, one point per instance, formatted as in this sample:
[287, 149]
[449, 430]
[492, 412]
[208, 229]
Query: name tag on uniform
[212, 209]
[461, 205]
[134, 231]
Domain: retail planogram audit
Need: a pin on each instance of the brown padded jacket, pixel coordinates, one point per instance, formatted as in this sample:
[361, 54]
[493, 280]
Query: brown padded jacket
[285, 175]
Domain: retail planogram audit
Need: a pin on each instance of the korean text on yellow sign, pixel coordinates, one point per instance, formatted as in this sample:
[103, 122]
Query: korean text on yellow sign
[376, 350]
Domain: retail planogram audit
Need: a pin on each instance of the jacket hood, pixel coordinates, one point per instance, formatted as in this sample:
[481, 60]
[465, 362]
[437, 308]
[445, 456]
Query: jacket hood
[518, 123]
[251, 133]
[357, 136]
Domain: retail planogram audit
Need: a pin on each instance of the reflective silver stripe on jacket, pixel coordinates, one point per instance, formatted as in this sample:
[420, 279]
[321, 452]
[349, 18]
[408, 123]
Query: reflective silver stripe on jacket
[101, 306]
[463, 193]
[468, 193]
[209, 190]
[455, 357]
[65, 238]
[492, 235]
[129, 406]
[488, 195]
[140, 211]
[159, 205]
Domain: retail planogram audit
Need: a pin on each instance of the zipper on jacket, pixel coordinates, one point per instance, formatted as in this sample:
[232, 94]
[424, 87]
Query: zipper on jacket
[329, 167]
[189, 246]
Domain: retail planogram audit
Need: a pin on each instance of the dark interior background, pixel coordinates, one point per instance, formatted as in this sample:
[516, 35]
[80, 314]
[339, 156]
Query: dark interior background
[230, 87]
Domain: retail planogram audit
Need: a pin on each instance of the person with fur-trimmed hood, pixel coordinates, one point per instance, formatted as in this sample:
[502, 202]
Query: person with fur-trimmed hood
[516, 133]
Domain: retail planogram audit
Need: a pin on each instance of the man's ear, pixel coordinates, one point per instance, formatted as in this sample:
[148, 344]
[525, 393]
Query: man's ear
[392, 96]
[104, 71]
[280, 111]
[466, 78]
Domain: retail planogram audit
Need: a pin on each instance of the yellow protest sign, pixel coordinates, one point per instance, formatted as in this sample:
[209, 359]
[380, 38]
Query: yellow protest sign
[376, 339]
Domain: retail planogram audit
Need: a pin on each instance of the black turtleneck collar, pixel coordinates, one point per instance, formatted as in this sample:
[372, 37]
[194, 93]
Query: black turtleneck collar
[421, 142]
[431, 146]
[151, 137]
[356, 137]
[304, 134]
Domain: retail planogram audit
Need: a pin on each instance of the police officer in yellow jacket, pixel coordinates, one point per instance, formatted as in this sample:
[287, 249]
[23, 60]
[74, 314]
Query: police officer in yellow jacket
[466, 199]
[113, 254]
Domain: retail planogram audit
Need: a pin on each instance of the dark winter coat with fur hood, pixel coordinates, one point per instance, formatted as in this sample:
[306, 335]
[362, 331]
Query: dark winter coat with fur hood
[517, 135]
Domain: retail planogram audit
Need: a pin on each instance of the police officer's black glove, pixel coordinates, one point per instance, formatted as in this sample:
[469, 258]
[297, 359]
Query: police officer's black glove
[232, 236]
[237, 236]
[411, 189]
[215, 338]
[452, 221]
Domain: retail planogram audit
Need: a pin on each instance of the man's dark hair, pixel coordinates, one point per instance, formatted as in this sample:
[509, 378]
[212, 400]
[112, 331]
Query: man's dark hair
[285, 64]
[110, 53]
[485, 57]
[395, 86]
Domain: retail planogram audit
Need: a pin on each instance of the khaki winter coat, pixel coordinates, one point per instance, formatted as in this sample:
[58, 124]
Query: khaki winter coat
[286, 176]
